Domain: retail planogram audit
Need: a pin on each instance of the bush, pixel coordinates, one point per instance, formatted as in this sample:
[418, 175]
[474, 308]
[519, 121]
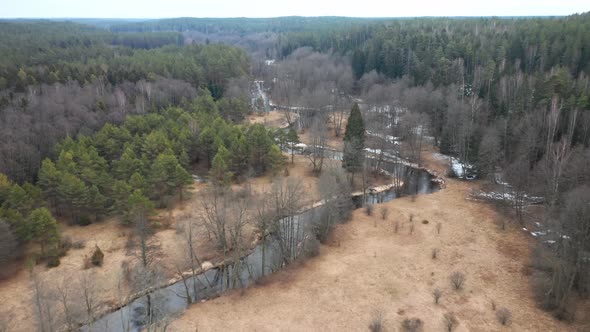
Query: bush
[412, 324]
[97, 257]
[437, 294]
[384, 212]
[504, 316]
[65, 243]
[53, 261]
[377, 322]
[369, 209]
[450, 321]
[311, 247]
[80, 244]
[457, 280]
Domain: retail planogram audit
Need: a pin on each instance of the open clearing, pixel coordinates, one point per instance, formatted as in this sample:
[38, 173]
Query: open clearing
[367, 267]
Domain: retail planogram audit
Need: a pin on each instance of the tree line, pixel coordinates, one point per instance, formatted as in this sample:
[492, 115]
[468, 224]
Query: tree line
[143, 162]
[59, 79]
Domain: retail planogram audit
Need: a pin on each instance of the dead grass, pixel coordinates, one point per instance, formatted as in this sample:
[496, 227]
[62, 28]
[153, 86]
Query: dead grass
[112, 239]
[375, 267]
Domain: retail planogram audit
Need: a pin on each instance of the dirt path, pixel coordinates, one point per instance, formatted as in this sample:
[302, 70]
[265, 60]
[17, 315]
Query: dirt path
[367, 267]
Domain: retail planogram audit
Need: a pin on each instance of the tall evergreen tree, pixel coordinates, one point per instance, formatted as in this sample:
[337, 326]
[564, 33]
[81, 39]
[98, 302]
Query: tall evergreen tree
[42, 228]
[220, 174]
[354, 141]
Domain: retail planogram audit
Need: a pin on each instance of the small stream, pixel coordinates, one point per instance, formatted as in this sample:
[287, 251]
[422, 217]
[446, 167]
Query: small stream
[170, 300]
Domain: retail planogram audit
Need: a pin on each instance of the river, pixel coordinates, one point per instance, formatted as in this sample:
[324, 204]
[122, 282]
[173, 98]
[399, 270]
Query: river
[170, 300]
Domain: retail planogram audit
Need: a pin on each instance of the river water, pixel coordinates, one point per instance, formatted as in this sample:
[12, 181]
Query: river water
[170, 300]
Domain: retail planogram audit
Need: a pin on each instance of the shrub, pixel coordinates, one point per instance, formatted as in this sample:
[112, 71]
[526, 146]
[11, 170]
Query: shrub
[425, 222]
[80, 244]
[457, 280]
[87, 263]
[412, 324]
[377, 322]
[53, 261]
[322, 226]
[65, 243]
[504, 316]
[437, 294]
[97, 257]
[450, 321]
[384, 212]
[311, 247]
[369, 209]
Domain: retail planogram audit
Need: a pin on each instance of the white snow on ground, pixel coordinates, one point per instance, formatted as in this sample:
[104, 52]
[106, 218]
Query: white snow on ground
[457, 168]
[506, 196]
[440, 156]
[388, 138]
[375, 151]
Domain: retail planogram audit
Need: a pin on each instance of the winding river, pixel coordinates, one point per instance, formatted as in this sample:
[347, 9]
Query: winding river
[170, 300]
[217, 280]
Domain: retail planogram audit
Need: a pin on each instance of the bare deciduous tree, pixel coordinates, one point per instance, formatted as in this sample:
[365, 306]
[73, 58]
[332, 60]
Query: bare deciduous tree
[317, 147]
[89, 294]
[8, 245]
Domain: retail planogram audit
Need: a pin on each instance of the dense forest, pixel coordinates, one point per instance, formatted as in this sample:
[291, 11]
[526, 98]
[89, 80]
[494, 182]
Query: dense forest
[107, 119]
[61, 79]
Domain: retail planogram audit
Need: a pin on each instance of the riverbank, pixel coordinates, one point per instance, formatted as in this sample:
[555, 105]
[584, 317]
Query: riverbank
[366, 266]
[109, 280]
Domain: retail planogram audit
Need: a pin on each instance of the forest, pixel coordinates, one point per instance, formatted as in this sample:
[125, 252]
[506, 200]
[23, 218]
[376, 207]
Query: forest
[102, 119]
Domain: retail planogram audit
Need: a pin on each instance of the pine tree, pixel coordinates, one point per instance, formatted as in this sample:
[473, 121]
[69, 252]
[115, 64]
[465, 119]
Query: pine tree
[239, 153]
[49, 178]
[274, 159]
[354, 141]
[73, 195]
[167, 176]
[42, 228]
[120, 195]
[220, 174]
[259, 142]
[127, 164]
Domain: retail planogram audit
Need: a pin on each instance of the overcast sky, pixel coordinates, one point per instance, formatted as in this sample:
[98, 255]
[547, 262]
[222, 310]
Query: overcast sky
[274, 8]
